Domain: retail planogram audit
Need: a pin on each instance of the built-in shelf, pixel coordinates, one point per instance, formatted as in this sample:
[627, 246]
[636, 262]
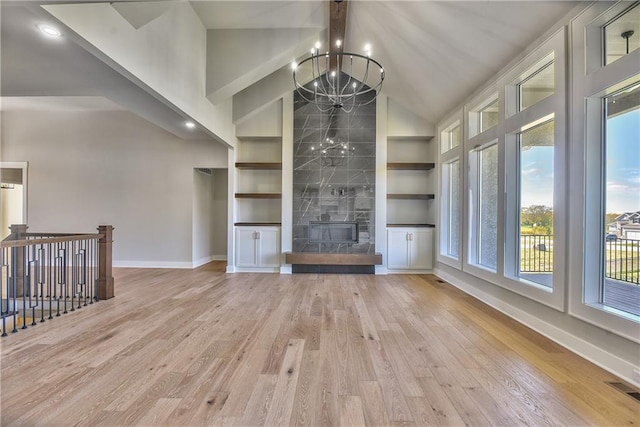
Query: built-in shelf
[412, 225]
[259, 165]
[398, 196]
[410, 166]
[257, 224]
[258, 195]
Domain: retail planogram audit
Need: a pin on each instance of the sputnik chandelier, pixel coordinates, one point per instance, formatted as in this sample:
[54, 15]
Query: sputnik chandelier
[333, 85]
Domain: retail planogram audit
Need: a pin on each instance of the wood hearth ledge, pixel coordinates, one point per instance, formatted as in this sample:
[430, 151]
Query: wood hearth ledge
[315, 258]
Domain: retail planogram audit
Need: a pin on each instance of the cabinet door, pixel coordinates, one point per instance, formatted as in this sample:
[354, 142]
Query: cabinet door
[421, 249]
[246, 255]
[397, 248]
[269, 247]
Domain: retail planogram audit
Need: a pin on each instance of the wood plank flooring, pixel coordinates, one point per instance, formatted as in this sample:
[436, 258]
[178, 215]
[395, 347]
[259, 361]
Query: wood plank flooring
[201, 347]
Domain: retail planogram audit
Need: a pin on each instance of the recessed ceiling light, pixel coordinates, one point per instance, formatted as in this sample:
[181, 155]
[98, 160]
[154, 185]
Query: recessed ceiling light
[50, 31]
[190, 125]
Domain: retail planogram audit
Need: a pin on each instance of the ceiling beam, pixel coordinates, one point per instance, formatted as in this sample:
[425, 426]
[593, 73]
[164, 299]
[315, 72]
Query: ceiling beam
[337, 29]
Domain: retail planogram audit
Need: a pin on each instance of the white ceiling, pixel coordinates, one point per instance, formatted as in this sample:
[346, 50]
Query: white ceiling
[34, 67]
[261, 14]
[435, 53]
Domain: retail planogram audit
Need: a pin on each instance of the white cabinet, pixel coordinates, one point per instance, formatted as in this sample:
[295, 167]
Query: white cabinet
[410, 248]
[258, 247]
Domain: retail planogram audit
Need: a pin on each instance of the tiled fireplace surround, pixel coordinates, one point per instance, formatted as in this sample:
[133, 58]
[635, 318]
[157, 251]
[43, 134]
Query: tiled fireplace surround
[334, 176]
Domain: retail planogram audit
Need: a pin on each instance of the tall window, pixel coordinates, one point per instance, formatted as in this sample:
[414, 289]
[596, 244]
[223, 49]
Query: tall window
[621, 233]
[605, 181]
[451, 211]
[483, 177]
[535, 174]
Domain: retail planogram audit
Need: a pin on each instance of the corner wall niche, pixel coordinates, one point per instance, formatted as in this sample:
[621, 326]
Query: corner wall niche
[334, 166]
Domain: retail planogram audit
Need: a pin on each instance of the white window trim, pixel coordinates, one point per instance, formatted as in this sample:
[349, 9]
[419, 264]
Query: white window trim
[590, 82]
[447, 157]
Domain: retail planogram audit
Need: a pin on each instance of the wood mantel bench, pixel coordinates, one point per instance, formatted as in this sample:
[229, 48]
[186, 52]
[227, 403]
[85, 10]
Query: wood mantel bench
[315, 258]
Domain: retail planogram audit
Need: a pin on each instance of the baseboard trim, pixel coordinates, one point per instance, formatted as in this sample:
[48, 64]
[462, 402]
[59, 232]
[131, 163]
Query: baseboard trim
[587, 350]
[152, 264]
[286, 269]
[381, 270]
[390, 271]
[202, 261]
[257, 270]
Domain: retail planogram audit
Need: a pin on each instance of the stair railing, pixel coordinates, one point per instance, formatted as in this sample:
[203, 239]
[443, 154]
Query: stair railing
[45, 275]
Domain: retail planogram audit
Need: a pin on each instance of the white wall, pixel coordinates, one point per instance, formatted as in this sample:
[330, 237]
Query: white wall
[220, 202]
[203, 218]
[267, 122]
[91, 168]
[403, 122]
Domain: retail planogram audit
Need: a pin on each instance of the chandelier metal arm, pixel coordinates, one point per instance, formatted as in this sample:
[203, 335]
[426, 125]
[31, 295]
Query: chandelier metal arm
[331, 87]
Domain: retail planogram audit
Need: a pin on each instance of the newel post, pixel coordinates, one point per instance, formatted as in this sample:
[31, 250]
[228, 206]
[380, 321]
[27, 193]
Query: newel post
[105, 279]
[18, 232]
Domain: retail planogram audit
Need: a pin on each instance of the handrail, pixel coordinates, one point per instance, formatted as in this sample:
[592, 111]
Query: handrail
[59, 239]
[36, 234]
[49, 274]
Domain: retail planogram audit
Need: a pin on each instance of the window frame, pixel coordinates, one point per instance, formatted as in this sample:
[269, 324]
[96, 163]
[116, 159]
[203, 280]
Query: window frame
[552, 106]
[591, 82]
[443, 200]
[511, 122]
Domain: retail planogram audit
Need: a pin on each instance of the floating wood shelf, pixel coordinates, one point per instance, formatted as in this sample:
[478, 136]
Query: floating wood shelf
[411, 166]
[259, 165]
[412, 225]
[258, 195]
[421, 138]
[411, 196]
[257, 224]
[315, 258]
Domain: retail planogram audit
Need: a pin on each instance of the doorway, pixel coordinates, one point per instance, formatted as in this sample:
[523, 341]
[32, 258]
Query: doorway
[210, 203]
[13, 195]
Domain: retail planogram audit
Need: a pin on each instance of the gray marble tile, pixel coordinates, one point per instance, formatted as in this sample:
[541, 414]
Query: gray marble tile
[334, 173]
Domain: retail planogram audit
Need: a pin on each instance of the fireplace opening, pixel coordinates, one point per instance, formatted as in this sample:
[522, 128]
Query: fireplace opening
[333, 232]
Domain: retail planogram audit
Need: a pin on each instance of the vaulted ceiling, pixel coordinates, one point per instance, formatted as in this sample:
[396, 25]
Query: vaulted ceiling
[435, 53]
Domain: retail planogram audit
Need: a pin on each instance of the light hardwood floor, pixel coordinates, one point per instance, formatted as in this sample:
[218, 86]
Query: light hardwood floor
[201, 347]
